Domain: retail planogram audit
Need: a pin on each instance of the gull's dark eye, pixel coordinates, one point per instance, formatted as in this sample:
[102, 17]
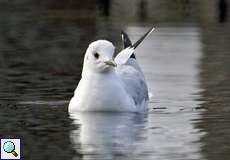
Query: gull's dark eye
[96, 55]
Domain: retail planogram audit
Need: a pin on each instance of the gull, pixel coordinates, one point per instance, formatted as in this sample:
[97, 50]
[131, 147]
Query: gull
[111, 84]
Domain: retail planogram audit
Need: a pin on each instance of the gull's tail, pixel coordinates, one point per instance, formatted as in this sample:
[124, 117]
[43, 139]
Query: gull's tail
[128, 51]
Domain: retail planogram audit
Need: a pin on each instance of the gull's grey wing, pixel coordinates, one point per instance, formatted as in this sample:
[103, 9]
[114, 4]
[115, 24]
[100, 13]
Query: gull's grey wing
[134, 82]
[130, 72]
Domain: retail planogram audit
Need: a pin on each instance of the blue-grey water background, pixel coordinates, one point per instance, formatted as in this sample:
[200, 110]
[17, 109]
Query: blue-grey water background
[186, 62]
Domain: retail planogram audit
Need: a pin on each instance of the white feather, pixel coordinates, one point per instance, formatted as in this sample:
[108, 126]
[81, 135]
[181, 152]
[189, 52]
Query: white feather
[124, 56]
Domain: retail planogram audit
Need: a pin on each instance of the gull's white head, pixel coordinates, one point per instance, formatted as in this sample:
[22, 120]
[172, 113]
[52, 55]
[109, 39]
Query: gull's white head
[99, 57]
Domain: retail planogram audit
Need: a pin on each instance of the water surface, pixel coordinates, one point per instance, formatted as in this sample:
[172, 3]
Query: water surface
[38, 110]
[186, 67]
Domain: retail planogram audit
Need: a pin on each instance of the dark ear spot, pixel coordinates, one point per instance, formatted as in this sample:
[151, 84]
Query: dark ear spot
[96, 55]
[87, 57]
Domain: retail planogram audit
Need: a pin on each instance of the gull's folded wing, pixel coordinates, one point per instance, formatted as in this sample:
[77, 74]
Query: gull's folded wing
[134, 84]
[131, 74]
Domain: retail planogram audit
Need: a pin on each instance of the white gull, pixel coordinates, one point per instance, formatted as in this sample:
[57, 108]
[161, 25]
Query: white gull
[111, 84]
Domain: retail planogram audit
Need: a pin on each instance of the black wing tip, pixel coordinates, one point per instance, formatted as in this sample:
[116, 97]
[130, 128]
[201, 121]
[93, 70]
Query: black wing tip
[123, 32]
[126, 40]
[133, 56]
[137, 43]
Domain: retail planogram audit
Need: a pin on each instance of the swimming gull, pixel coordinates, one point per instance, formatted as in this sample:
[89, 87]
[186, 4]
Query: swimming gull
[111, 84]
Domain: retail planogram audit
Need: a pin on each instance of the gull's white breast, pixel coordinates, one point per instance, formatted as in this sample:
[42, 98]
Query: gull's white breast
[99, 92]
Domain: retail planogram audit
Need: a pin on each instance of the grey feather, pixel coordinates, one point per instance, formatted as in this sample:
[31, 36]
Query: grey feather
[134, 81]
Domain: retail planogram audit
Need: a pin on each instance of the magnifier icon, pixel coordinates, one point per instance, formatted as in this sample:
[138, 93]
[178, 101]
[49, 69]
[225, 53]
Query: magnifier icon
[9, 147]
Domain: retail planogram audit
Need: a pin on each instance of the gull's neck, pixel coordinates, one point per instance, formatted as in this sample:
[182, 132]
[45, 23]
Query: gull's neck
[89, 73]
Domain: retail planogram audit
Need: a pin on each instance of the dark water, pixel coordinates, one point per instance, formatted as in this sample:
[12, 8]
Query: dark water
[186, 63]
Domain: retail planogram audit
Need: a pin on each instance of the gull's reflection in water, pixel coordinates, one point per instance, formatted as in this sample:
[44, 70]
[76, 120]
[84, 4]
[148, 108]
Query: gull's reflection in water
[107, 135]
